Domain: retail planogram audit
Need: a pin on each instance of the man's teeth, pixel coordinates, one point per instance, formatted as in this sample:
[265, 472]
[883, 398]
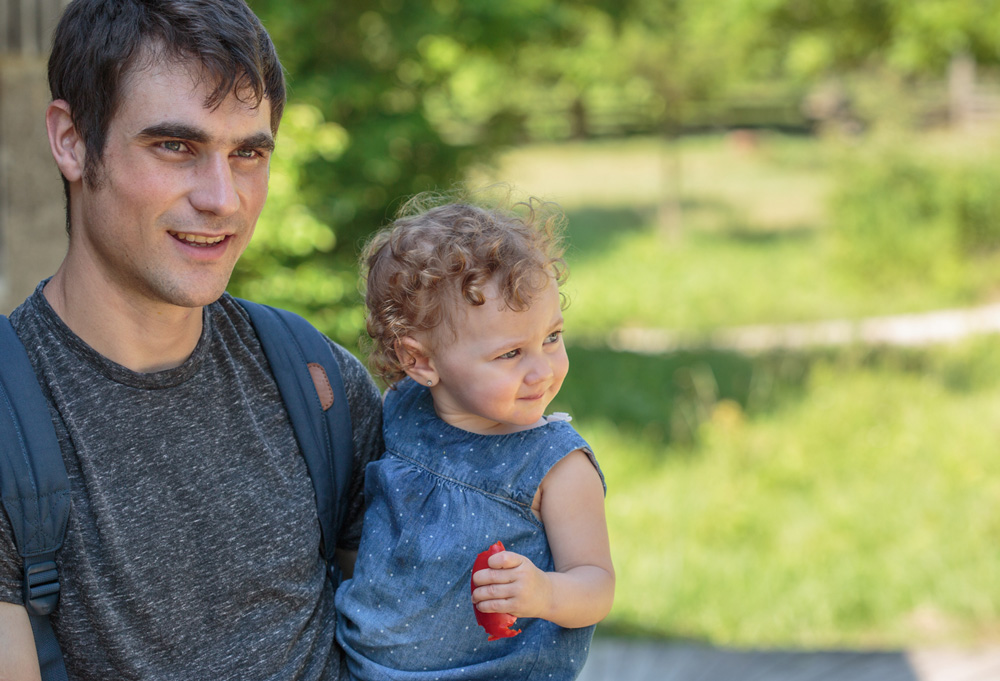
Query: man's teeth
[198, 238]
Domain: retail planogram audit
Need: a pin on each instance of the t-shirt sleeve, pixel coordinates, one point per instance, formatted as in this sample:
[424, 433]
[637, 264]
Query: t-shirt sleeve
[366, 423]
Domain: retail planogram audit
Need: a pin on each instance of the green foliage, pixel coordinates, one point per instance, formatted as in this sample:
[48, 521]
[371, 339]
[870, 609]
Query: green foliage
[284, 264]
[395, 76]
[972, 203]
[391, 88]
[913, 38]
[897, 215]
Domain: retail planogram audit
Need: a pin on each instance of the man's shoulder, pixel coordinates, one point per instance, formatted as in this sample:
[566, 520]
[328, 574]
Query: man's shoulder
[353, 370]
[29, 310]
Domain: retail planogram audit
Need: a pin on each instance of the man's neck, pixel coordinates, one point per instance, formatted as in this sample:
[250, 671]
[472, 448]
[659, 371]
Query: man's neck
[130, 330]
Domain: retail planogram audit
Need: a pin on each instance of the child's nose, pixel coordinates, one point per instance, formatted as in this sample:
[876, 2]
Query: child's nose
[540, 371]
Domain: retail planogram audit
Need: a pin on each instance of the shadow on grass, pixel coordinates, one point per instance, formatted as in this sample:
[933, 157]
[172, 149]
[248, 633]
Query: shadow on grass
[765, 237]
[594, 229]
[667, 397]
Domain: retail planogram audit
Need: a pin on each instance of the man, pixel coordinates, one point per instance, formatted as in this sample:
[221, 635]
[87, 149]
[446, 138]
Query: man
[192, 550]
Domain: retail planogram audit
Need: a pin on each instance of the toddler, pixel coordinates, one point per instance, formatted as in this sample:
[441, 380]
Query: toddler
[465, 315]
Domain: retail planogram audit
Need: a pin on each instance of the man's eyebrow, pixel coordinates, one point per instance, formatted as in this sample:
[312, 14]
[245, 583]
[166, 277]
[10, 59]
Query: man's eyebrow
[260, 140]
[174, 130]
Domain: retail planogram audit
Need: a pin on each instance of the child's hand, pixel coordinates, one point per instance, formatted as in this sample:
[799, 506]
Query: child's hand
[513, 585]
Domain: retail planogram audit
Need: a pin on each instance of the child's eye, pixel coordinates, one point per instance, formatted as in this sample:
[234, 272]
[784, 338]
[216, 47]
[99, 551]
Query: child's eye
[509, 355]
[553, 337]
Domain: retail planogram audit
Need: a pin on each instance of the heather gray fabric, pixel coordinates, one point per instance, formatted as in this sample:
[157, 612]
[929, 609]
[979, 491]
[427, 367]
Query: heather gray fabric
[192, 550]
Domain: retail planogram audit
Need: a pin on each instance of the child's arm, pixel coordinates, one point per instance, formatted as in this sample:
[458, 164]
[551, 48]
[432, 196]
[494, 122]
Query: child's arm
[581, 589]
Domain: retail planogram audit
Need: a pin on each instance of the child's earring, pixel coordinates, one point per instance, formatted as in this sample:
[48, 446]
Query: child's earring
[430, 382]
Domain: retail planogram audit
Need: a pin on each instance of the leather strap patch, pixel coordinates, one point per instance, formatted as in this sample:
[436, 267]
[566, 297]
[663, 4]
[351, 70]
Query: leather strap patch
[322, 383]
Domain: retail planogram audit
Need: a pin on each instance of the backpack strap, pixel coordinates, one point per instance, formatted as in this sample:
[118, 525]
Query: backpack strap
[35, 491]
[311, 385]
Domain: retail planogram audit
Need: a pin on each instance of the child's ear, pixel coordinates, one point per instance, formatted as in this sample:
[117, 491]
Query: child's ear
[416, 361]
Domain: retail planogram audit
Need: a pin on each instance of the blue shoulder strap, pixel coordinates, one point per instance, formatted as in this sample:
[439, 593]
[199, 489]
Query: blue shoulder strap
[34, 489]
[312, 388]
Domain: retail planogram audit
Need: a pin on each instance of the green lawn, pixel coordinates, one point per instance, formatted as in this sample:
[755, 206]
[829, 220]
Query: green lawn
[752, 246]
[843, 497]
[856, 503]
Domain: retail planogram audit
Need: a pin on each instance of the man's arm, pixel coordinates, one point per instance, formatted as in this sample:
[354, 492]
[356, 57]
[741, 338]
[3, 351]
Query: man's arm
[18, 659]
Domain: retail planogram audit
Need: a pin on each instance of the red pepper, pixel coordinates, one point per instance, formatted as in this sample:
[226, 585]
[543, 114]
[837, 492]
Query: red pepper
[496, 624]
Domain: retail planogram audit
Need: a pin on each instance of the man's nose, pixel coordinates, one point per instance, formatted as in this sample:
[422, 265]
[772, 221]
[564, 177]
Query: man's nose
[216, 189]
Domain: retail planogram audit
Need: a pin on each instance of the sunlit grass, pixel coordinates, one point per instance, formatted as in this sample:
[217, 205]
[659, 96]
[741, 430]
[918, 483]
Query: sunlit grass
[767, 179]
[708, 281]
[862, 513]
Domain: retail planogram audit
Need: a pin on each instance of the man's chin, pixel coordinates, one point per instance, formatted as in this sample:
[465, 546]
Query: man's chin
[196, 297]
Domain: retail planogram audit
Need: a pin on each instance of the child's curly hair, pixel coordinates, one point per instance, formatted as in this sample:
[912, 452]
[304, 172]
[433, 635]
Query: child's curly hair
[435, 255]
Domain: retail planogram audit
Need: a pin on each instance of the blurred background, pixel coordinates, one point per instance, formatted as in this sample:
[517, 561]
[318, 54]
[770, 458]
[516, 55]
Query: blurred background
[728, 167]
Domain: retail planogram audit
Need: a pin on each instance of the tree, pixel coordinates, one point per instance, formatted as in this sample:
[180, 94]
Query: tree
[372, 86]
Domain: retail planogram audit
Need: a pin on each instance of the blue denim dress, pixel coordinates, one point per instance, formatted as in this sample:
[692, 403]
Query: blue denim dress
[438, 497]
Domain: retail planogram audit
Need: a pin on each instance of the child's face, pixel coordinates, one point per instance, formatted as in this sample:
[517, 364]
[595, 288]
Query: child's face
[502, 368]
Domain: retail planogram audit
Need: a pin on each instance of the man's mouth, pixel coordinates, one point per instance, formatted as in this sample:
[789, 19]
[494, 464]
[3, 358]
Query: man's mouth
[198, 239]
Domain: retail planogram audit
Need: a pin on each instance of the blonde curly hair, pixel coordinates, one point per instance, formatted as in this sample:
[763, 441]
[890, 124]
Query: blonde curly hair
[439, 253]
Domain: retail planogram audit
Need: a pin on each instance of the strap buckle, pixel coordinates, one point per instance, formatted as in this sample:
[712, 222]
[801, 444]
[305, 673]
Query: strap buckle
[41, 586]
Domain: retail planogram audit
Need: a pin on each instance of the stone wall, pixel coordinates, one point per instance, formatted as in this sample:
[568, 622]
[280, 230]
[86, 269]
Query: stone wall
[32, 210]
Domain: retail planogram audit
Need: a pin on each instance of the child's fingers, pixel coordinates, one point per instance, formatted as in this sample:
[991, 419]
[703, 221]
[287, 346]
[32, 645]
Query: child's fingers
[500, 563]
[504, 605]
[493, 576]
[505, 560]
[493, 594]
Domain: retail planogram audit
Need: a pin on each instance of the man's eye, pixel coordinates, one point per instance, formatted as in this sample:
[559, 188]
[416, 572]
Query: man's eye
[173, 145]
[246, 153]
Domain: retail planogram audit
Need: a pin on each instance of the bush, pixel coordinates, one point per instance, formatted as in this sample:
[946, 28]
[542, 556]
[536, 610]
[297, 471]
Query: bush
[897, 215]
[974, 207]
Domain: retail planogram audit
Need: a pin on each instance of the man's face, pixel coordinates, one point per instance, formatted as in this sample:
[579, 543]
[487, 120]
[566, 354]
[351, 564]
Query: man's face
[179, 190]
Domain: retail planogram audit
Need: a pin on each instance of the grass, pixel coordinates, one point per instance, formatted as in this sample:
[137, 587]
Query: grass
[853, 507]
[752, 248]
[828, 498]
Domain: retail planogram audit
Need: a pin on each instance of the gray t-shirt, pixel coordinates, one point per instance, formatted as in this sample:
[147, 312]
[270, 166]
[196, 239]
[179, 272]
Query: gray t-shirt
[192, 550]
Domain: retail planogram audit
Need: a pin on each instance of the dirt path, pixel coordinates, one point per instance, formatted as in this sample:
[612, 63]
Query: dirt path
[928, 328]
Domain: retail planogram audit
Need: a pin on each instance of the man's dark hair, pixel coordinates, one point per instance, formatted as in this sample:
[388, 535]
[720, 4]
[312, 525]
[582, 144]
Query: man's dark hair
[98, 44]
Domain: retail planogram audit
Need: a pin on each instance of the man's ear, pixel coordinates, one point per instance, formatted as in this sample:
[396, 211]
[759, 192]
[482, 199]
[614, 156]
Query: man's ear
[416, 361]
[65, 142]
